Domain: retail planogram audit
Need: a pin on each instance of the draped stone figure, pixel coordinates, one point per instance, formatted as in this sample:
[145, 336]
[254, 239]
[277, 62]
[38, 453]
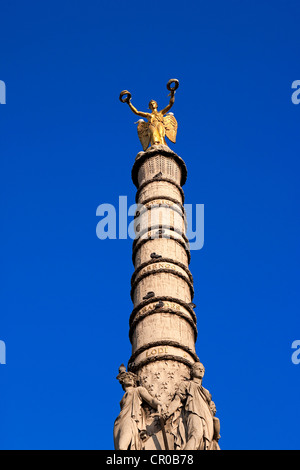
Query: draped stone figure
[192, 411]
[160, 124]
[130, 426]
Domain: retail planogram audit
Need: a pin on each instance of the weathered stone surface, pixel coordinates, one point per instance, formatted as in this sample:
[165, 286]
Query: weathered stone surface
[165, 187]
[151, 162]
[163, 322]
[171, 248]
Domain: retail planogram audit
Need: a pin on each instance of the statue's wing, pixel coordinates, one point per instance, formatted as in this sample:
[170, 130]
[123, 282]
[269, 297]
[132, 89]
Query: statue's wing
[143, 133]
[170, 127]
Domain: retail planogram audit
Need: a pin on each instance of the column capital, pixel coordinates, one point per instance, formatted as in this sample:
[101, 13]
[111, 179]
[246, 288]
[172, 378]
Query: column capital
[151, 152]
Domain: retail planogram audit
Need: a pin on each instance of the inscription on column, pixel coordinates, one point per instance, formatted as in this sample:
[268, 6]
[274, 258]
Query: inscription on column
[154, 267]
[156, 351]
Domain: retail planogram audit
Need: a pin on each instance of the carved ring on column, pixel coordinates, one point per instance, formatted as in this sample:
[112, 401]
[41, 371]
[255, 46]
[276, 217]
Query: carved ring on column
[161, 260]
[142, 242]
[160, 271]
[163, 298]
[161, 357]
[159, 227]
[163, 342]
[138, 318]
[180, 209]
[167, 180]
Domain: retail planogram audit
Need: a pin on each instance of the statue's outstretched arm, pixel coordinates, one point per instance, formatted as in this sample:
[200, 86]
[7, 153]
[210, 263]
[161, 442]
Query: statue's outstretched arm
[135, 111]
[125, 97]
[172, 101]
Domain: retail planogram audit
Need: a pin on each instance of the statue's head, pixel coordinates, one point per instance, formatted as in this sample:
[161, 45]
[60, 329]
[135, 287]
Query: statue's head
[126, 379]
[152, 105]
[197, 370]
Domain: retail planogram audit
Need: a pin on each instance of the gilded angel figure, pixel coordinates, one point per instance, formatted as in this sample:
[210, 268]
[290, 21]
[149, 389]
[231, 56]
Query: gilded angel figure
[160, 124]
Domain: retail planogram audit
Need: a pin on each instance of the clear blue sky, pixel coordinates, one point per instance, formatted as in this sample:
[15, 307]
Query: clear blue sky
[68, 145]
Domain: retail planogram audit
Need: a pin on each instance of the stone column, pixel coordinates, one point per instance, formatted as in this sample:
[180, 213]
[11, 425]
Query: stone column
[163, 323]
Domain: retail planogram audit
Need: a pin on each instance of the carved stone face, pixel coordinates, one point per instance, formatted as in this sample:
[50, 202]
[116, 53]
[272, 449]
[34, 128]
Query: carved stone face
[198, 370]
[128, 381]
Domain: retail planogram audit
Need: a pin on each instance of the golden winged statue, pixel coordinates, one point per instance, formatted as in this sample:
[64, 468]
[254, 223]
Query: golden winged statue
[160, 124]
